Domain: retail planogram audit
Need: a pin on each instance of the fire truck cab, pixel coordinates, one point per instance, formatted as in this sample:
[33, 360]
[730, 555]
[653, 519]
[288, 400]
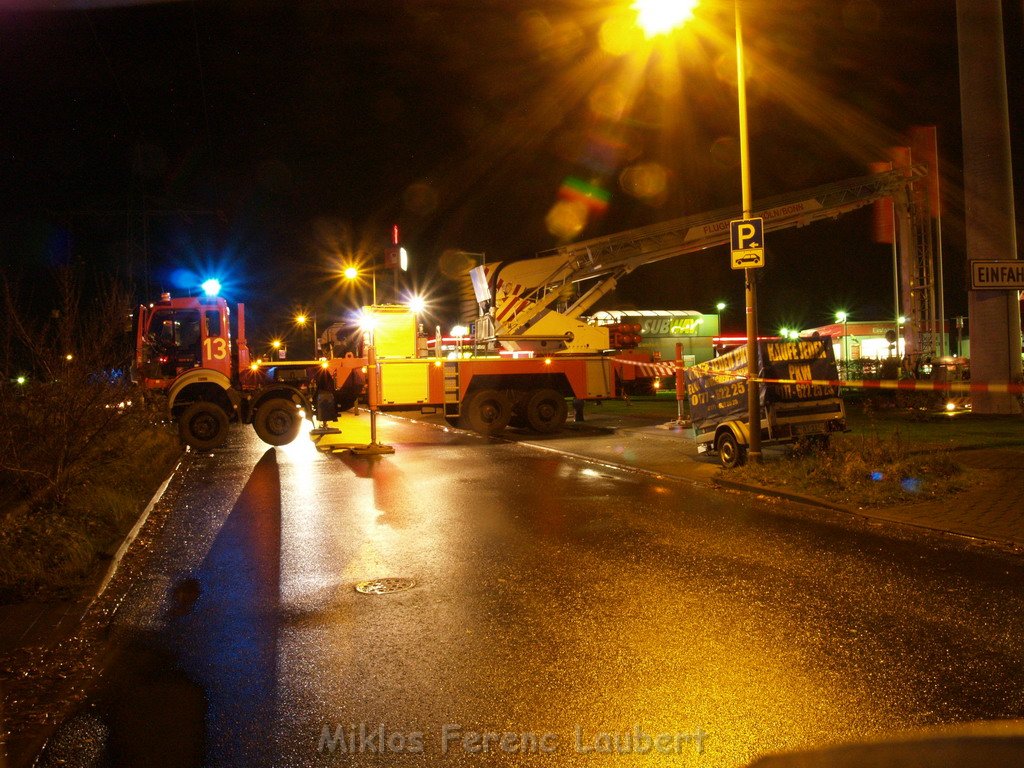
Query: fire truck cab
[184, 351]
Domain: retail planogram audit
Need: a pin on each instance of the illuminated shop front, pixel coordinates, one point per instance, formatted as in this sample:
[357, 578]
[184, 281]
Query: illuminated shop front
[872, 340]
[663, 329]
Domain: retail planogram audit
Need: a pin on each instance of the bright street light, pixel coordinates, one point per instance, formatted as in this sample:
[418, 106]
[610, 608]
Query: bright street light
[842, 317]
[352, 272]
[658, 17]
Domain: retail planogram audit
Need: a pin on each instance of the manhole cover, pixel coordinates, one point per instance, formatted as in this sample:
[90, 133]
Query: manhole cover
[384, 586]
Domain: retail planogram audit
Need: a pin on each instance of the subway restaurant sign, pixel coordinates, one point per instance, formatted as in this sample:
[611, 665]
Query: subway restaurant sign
[669, 326]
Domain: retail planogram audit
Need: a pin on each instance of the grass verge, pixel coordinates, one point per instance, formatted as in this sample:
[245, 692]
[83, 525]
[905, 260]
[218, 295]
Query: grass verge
[900, 449]
[51, 551]
[866, 470]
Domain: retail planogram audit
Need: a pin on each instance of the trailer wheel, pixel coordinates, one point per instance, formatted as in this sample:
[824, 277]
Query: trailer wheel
[277, 421]
[203, 426]
[730, 452]
[487, 411]
[546, 411]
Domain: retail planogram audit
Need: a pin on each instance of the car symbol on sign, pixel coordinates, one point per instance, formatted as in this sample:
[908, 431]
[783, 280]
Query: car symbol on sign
[752, 258]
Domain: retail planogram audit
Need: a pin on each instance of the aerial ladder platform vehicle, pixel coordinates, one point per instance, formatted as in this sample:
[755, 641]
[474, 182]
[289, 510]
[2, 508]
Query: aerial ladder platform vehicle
[535, 304]
[185, 353]
[485, 393]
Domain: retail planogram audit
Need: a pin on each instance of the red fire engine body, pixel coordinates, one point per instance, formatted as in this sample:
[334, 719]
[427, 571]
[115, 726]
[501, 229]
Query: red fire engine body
[184, 351]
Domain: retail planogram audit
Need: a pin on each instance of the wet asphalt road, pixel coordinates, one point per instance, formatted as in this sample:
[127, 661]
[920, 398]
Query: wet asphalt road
[557, 601]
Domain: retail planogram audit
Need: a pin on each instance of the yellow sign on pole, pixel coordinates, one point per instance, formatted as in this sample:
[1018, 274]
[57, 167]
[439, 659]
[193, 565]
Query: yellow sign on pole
[746, 238]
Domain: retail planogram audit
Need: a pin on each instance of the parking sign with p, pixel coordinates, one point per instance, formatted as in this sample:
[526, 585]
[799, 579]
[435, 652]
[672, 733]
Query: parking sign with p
[746, 237]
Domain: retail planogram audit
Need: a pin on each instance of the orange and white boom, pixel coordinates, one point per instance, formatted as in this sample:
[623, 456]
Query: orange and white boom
[518, 299]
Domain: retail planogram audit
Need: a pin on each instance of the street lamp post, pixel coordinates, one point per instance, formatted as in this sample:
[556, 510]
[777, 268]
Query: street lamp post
[842, 317]
[750, 286]
[302, 319]
[662, 17]
[720, 306]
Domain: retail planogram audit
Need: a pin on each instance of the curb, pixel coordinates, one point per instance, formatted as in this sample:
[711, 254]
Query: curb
[132, 535]
[782, 493]
[814, 501]
[578, 456]
[612, 464]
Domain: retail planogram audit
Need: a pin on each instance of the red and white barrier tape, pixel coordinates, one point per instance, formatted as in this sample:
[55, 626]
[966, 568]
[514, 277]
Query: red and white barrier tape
[650, 369]
[906, 385]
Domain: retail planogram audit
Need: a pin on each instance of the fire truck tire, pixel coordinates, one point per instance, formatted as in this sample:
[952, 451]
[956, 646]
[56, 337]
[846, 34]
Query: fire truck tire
[486, 411]
[730, 452]
[546, 411]
[277, 421]
[203, 426]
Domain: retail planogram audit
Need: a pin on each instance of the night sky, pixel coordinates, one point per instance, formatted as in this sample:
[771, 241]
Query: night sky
[163, 142]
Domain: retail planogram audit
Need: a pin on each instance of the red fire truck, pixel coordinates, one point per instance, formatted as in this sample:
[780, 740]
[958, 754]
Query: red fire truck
[184, 352]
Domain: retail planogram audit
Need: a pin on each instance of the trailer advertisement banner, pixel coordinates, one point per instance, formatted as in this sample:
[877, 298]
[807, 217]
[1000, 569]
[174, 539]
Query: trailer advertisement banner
[717, 389]
[804, 360]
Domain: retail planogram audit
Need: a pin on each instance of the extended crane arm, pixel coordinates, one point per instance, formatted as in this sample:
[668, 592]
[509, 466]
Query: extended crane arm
[522, 292]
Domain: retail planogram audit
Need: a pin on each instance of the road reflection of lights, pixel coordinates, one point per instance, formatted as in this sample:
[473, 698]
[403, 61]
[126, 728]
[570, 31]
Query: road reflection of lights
[302, 451]
[301, 529]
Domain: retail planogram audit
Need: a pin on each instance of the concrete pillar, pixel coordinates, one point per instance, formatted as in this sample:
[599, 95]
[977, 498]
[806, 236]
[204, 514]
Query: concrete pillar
[988, 197]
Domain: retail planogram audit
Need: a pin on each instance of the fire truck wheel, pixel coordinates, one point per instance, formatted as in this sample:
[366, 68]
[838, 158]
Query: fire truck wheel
[277, 421]
[203, 426]
[546, 411]
[487, 411]
[730, 452]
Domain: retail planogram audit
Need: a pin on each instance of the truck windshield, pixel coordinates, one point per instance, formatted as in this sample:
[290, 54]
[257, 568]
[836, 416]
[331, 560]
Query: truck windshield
[176, 330]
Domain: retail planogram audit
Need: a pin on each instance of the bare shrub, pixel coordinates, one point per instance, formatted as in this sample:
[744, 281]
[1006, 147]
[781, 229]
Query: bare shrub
[78, 446]
[76, 390]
